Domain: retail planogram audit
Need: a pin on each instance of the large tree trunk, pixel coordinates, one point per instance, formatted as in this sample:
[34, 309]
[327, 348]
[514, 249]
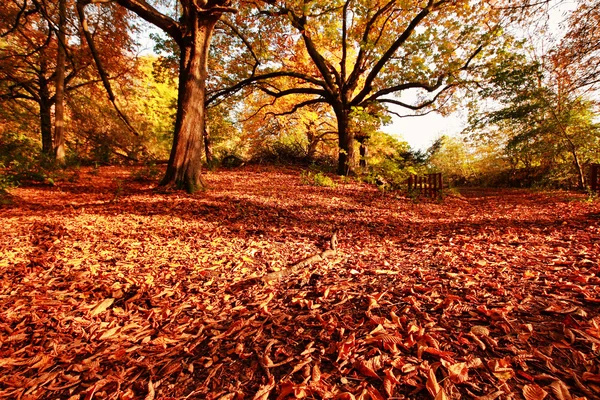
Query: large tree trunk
[185, 162]
[46, 126]
[59, 107]
[346, 143]
[45, 109]
[207, 144]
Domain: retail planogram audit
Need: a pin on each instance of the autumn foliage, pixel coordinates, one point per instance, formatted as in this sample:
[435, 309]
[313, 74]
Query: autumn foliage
[111, 291]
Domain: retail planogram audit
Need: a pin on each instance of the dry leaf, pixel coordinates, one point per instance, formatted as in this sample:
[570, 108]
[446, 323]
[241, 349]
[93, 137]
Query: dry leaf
[101, 307]
[264, 390]
[534, 392]
[560, 390]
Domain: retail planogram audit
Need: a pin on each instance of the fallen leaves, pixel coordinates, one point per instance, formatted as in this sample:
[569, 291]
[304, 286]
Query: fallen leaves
[489, 296]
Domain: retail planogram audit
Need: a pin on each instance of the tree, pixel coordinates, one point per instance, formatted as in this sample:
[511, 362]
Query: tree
[579, 50]
[59, 106]
[544, 105]
[42, 59]
[544, 120]
[192, 31]
[354, 54]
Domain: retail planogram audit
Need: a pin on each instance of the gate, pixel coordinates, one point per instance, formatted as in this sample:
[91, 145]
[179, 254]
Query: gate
[430, 185]
[595, 178]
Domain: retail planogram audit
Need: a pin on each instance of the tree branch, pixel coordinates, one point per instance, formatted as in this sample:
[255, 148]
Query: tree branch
[245, 41]
[296, 107]
[393, 48]
[103, 75]
[419, 106]
[254, 79]
[398, 88]
[358, 66]
[150, 14]
[322, 65]
[289, 92]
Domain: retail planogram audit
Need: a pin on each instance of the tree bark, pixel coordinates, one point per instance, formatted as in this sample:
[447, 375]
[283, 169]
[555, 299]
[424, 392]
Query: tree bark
[364, 151]
[59, 106]
[346, 143]
[185, 162]
[46, 126]
[207, 144]
[578, 167]
[45, 104]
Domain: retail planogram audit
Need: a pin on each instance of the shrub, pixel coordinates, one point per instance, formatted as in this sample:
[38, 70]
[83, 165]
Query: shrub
[316, 179]
[279, 152]
[21, 160]
[391, 175]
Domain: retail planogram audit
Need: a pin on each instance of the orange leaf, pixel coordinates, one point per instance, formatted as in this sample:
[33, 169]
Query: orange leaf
[560, 390]
[366, 368]
[534, 392]
[101, 307]
[458, 372]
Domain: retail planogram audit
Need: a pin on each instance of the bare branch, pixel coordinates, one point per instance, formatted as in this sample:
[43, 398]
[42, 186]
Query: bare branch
[297, 107]
[418, 106]
[393, 48]
[103, 75]
[150, 14]
[254, 79]
[398, 88]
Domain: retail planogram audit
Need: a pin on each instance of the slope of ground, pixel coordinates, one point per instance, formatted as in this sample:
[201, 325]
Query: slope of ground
[111, 291]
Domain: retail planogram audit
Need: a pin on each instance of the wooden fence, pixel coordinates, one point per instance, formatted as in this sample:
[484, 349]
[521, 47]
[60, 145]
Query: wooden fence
[595, 178]
[430, 185]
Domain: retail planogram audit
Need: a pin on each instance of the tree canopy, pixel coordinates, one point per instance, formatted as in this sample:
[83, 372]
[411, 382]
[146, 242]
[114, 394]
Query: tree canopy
[327, 74]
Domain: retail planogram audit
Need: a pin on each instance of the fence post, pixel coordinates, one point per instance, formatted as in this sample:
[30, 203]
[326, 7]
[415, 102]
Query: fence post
[430, 191]
[594, 177]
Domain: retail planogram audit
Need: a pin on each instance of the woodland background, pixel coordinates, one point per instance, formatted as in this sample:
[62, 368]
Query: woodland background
[281, 279]
[526, 75]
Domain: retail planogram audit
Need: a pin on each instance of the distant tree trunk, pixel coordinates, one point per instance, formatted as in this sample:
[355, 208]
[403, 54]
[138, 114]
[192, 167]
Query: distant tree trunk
[185, 163]
[364, 151]
[578, 167]
[313, 140]
[59, 107]
[346, 143]
[207, 144]
[312, 148]
[45, 109]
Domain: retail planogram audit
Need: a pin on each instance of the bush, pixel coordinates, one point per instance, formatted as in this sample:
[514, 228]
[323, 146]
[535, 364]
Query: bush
[316, 179]
[391, 175]
[279, 152]
[6, 182]
[232, 161]
[21, 160]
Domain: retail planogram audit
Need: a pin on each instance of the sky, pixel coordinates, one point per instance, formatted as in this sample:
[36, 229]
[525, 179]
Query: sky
[420, 132]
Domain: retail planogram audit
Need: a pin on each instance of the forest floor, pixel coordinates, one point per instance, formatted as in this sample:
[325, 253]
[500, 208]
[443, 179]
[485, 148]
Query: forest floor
[109, 290]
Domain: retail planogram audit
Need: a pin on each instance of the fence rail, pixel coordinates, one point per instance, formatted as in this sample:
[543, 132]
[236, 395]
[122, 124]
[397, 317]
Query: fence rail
[595, 177]
[430, 185]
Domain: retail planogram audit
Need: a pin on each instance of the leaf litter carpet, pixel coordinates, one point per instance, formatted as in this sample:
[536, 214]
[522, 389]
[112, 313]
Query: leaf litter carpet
[109, 290]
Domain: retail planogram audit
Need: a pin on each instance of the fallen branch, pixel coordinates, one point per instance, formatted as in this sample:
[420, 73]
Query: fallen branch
[292, 269]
